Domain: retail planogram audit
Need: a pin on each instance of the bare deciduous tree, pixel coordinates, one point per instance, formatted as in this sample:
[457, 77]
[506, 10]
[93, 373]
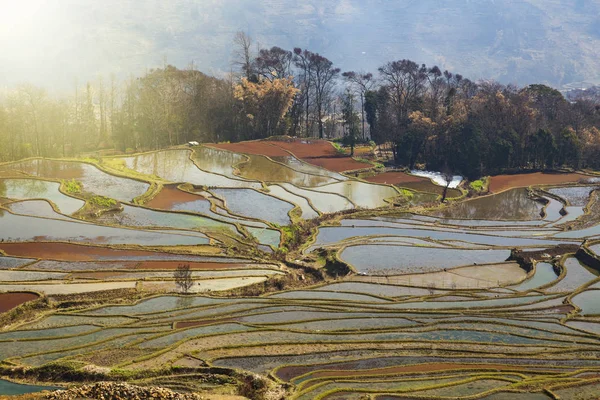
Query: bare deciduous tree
[363, 82]
[242, 54]
[183, 278]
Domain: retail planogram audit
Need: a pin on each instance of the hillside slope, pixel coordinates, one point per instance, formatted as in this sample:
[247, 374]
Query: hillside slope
[520, 41]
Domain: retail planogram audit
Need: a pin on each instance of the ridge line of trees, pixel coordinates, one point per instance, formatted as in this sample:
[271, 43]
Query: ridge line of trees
[424, 116]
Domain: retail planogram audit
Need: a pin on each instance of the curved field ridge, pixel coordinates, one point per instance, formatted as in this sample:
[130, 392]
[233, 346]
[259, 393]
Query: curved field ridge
[327, 285]
[31, 189]
[93, 179]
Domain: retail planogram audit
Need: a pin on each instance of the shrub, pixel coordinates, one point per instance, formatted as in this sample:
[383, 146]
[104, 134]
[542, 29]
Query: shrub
[407, 194]
[72, 186]
[478, 186]
[102, 201]
[338, 148]
[183, 278]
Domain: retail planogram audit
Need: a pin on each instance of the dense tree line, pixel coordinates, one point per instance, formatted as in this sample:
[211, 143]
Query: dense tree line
[445, 121]
[423, 115]
[165, 107]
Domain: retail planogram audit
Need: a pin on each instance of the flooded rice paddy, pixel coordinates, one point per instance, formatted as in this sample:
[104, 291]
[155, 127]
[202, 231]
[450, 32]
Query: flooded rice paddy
[92, 178]
[509, 205]
[28, 189]
[437, 303]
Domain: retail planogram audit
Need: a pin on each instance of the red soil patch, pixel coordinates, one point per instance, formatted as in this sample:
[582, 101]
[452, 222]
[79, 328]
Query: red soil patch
[503, 182]
[308, 148]
[169, 196]
[260, 148]
[172, 265]
[288, 373]
[340, 164]
[396, 178]
[68, 252]
[313, 151]
[320, 153]
[193, 324]
[8, 301]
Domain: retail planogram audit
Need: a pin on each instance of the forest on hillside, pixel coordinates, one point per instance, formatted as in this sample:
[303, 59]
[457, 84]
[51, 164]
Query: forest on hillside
[426, 116]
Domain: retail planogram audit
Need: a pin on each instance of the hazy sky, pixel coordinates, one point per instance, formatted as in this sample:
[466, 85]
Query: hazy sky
[54, 42]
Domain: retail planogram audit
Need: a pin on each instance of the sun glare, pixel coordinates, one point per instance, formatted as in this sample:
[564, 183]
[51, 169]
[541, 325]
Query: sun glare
[19, 15]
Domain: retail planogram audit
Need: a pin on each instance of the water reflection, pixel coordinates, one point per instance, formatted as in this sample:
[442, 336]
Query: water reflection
[253, 204]
[176, 166]
[509, 205]
[262, 169]
[26, 189]
[217, 161]
[93, 180]
[362, 194]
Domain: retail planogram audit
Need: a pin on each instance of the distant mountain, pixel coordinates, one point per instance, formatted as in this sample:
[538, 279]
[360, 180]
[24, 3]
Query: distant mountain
[591, 93]
[515, 41]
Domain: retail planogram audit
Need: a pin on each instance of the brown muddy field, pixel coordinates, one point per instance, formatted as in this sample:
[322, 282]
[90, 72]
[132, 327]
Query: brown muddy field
[169, 196]
[307, 148]
[322, 154]
[317, 152]
[500, 183]
[67, 251]
[8, 301]
[260, 148]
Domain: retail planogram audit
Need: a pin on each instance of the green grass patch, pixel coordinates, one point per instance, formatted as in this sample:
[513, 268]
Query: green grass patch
[478, 186]
[338, 148]
[102, 201]
[72, 186]
[373, 163]
[407, 194]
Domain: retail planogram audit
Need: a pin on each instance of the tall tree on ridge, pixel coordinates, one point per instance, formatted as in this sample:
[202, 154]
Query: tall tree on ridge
[243, 54]
[303, 61]
[274, 63]
[363, 82]
[323, 77]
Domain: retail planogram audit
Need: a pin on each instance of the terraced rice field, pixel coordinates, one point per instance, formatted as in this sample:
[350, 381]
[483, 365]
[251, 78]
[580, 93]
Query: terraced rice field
[325, 285]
